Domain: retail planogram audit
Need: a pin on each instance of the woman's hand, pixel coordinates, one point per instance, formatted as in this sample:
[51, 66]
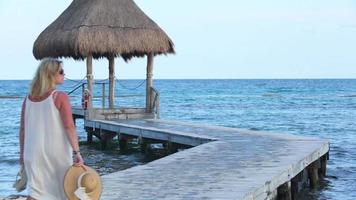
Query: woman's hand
[78, 160]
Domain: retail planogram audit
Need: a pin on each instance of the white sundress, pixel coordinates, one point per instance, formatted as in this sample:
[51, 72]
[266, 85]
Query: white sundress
[47, 151]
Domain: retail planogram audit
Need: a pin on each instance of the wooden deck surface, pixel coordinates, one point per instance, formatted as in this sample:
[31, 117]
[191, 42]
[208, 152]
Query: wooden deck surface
[226, 163]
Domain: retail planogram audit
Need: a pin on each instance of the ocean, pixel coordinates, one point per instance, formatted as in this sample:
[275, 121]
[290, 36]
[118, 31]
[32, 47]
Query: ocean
[325, 108]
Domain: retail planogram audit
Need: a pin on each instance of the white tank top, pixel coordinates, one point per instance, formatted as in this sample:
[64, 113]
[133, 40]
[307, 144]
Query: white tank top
[47, 151]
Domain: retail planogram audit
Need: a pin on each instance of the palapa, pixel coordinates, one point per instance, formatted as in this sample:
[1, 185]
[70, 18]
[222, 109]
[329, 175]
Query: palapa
[102, 28]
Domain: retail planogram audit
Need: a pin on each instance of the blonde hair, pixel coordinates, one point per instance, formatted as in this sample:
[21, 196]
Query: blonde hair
[44, 79]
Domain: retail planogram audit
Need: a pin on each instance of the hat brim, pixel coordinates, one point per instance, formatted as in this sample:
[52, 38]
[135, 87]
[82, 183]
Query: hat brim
[71, 182]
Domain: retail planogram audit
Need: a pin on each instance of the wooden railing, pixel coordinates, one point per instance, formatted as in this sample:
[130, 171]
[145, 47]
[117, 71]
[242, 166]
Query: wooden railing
[82, 86]
[76, 88]
[155, 102]
[154, 109]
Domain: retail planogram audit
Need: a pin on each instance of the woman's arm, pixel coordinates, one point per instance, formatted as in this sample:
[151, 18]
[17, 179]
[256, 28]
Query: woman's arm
[63, 104]
[73, 140]
[22, 131]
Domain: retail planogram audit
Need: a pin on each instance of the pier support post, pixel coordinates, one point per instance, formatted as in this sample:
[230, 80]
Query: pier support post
[327, 156]
[313, 174]
[89, 135]
[323, 163]
[167, 146]
[170, 147]
[143, 144]
[103, 144]
[284, 191]
[103, 140]
[122, 142]
[295, 184]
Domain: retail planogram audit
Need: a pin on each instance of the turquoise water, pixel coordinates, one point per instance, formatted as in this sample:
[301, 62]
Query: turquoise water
[322, 108]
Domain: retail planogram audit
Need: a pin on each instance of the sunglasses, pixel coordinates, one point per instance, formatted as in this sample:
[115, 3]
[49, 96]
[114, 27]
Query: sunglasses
[61, 72]
[59, 63]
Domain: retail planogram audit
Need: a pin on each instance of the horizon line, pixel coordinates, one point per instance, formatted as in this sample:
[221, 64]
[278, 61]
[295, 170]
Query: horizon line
[313, 78]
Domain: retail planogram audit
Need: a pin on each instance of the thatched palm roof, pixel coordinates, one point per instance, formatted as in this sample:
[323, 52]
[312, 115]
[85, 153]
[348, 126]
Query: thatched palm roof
[102, 28]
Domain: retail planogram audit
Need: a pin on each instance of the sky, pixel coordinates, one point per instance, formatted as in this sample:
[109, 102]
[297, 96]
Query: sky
[226, 39]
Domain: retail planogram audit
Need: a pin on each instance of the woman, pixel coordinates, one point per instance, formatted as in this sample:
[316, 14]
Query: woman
[48, 138]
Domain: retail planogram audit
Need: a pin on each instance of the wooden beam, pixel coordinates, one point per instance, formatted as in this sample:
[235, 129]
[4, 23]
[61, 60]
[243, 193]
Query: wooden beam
[123, 143]
[295, 184]
[284, 191]
[89, 135]
[111, 81]
[313, 174]
[90, 78]
[149, 81]
[323, 163]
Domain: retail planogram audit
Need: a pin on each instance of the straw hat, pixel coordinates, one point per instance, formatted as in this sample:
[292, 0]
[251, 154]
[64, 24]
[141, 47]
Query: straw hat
[82, 182]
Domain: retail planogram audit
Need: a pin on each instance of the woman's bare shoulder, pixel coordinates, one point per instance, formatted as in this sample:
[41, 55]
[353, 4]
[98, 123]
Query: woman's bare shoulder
[61, 93]
[60, 96]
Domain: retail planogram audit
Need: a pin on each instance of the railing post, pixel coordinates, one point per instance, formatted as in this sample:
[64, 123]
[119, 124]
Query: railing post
[83, 89]
[152, 103]
[152, 98]
[157, 106]
[155, 102]
[103, 97]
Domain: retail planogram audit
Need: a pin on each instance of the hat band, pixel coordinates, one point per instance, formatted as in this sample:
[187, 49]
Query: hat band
[80, 192]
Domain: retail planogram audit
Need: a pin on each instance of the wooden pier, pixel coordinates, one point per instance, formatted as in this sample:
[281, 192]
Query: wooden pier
[225, 163]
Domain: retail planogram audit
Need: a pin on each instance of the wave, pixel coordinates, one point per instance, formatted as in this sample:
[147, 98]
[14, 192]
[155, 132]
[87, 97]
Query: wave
[271, 95]
[11, 97]
[11, 161]
[351, 95]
